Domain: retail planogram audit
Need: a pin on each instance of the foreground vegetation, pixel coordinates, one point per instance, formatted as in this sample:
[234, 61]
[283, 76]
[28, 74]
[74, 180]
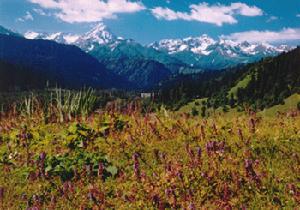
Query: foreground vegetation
[118, 158]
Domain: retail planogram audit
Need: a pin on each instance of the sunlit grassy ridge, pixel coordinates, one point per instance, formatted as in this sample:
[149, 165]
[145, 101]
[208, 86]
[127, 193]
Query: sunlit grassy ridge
[289, 103]
[241, 84]
[126, 160]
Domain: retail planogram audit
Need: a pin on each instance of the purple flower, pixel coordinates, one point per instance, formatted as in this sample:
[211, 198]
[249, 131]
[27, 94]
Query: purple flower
[1, 193]
[252, 125]
[192, 206]
[250, 171]
[199, 152]
[214, 146]
[42, 156]
[136, 165]
[100, 170]
[240, 134]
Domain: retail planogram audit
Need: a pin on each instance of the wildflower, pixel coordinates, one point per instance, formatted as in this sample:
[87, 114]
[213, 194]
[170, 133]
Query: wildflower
[189, 151]
[1, 193]
[31, 176]
[226, 193]
[156, 200]
[53, 200]
[100, 170]
[168, 192]
[214, 146]
[42, 156]
[199, 152]
[41, 163]
[168, 167]
[65, 188]
[179, 175]
[136, 165]
[192, 206]
[240, 134]
[250, 171]
[92, 195]
[291, 188]
[161, 206]
[36, 199]
[252, 125]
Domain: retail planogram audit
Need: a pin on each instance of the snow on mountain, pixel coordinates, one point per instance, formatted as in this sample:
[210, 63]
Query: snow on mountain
[201, 52]
[205, 52]
[204, 45]
[99, 35]
[64, 38]
[196, 45]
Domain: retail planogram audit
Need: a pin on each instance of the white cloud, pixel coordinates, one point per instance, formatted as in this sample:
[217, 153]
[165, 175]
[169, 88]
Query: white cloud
[272, 18]
[40, 12]
[79, 11]
[27, 16]
[286, 34]
[168, 14]
[217, 14]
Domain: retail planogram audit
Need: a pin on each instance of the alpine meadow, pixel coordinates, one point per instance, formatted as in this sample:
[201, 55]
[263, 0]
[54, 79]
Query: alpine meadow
[140, 104]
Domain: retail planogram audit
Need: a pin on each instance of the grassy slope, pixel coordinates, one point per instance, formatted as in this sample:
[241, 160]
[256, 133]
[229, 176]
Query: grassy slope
[289, 103]
[241, 84]
[188, 107]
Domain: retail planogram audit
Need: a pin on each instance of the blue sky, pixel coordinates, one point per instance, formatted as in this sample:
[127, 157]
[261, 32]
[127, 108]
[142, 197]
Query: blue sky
[274, 21]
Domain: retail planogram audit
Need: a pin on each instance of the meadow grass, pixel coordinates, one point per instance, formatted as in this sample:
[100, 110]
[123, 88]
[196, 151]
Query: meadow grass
[122, 159]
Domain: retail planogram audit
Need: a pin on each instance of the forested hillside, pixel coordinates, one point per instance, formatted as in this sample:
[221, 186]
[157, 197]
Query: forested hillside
[259, 85]
[272, 80]
[17, 77]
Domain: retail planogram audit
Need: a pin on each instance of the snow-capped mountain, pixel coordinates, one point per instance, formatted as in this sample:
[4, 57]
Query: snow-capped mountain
[99, 35]
[196, 45]
[193, 52]
[64, 38]
[207, 53]
[111, 49]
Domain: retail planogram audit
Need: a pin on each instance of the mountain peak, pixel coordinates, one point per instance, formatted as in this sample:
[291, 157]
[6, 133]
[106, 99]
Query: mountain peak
[99, 34]
[100, 27]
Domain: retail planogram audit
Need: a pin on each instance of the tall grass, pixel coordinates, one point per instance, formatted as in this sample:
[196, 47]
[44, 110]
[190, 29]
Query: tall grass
[60, 104]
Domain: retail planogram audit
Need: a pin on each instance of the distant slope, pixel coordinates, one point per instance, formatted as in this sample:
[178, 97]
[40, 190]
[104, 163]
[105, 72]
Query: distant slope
[271, 80]
[259, 85]
[65, 65]
[290, 103]
[5, 31]
[185, 88]
[17, 77]
[145, 74]
[240, 84]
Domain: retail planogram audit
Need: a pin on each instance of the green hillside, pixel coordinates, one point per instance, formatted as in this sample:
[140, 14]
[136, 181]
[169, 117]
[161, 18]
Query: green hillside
[290, 103]
[240, 84]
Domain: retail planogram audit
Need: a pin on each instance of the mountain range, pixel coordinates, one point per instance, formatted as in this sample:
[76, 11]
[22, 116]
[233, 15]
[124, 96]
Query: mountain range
[101, 59]
[193, 53]
[63, 65]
